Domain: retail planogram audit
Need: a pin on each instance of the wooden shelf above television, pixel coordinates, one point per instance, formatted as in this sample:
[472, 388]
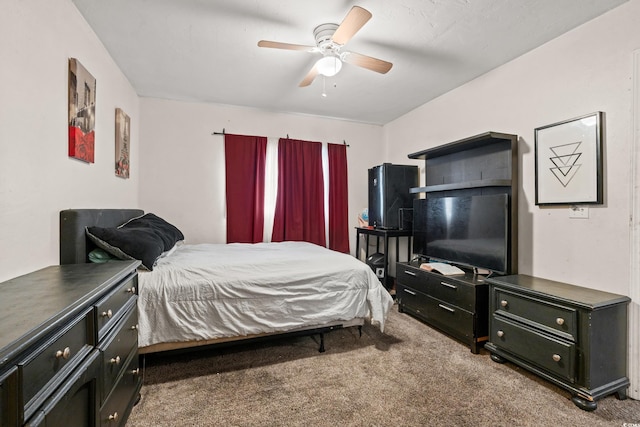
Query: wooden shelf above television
[463, 144]
[462, 185]
[483, 164]
[484, 161]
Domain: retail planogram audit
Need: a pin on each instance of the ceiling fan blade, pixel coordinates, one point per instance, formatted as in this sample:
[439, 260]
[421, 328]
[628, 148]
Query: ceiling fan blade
[288, 46]
[308, 79]
[368, 62]
[351, 24]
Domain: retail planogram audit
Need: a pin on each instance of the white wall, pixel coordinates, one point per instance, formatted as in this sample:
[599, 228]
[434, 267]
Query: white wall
[37, 178]
[586, 70]
[178, 167]
[182, 163]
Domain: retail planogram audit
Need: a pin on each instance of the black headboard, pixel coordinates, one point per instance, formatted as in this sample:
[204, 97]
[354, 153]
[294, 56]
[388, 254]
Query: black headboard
[74, 245]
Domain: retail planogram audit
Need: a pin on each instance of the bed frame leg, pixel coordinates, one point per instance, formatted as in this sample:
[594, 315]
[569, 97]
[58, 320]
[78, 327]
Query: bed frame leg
[360, 330]
[321, 349]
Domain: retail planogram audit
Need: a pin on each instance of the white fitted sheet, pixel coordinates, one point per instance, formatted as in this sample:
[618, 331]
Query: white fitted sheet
[209, 291]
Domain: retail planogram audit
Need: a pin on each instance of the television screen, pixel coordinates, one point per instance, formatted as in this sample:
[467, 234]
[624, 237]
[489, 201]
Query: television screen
[467, 230]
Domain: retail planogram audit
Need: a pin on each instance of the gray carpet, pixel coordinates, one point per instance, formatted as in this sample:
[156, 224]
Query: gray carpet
[412, 375]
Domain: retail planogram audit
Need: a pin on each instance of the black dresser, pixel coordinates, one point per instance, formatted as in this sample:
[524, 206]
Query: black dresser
[69, 346]
[456, 305]
[572, 336]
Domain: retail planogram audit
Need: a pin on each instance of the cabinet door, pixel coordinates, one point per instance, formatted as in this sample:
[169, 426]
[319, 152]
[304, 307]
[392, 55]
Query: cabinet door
[75, 402]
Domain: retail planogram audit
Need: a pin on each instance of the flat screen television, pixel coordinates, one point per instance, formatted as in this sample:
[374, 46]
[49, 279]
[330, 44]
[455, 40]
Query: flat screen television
[470, 231]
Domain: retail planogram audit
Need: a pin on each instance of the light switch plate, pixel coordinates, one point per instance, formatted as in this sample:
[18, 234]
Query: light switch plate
[579, 212]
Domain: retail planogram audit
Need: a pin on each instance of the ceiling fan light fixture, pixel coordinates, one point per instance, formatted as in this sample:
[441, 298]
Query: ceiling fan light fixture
[329, 66]
[330, 39]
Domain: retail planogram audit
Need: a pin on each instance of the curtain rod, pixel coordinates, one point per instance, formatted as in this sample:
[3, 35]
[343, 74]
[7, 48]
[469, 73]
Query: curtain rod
[344, 142]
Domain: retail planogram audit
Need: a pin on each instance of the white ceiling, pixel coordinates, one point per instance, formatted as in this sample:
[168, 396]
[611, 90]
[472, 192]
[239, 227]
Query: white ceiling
[206, 50]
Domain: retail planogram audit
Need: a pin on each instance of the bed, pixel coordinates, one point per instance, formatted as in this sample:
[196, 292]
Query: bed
[204, 294]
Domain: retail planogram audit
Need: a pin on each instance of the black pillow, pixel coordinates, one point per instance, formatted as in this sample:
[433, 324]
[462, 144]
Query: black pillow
[144, 238]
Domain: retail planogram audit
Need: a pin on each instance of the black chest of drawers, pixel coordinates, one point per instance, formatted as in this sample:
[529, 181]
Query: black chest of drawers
[572, 336]
[457, 305]
[68, 346]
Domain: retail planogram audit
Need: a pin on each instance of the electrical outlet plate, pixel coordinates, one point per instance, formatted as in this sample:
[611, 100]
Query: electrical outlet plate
[579, 212]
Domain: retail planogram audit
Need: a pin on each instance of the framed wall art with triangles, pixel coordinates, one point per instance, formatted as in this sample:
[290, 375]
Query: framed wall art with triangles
[568, 158]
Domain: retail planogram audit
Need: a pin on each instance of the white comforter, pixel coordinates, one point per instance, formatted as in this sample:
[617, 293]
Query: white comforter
[209, 291]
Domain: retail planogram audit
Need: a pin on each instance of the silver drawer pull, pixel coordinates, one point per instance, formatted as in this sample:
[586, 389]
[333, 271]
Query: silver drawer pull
[134, 327]
[448, 285]
[504, 303]
[135, 372]
[410, 273]
[560, 321]
[65, 354]
[408, 291]
[113, 417]
[115, 360]
[500, 333]
[444, 307]
[556, 357]
[107, 313]
[131, 290]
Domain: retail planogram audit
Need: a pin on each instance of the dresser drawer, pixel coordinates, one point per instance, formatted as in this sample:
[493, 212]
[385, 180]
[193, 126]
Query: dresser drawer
[413, 278]
[438, 286]
[109, 308]
[116, 348]
[410, 299]
[553, 354]
[50, 363]
[449, 318]
[8, 393]
[120, 401]
[453, 292]
[554, 317]
[74, 403]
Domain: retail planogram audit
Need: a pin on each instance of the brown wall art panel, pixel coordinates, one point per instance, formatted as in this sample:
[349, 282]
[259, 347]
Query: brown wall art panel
[123, 134]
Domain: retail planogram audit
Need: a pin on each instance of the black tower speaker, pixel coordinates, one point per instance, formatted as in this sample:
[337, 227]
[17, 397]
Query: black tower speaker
[389, 193]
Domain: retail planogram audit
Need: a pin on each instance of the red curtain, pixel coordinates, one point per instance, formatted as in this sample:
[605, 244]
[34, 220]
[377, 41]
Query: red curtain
[245, 158]
[299, 214]
[338, 198]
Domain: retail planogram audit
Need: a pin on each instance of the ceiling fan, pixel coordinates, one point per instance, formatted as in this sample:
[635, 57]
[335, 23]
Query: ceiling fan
[330, 39]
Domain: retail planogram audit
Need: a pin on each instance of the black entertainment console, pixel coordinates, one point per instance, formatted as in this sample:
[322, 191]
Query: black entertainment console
[571, 336]
[468, 169]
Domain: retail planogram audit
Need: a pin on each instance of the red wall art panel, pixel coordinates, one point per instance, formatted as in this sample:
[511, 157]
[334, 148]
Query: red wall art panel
[82, 110]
